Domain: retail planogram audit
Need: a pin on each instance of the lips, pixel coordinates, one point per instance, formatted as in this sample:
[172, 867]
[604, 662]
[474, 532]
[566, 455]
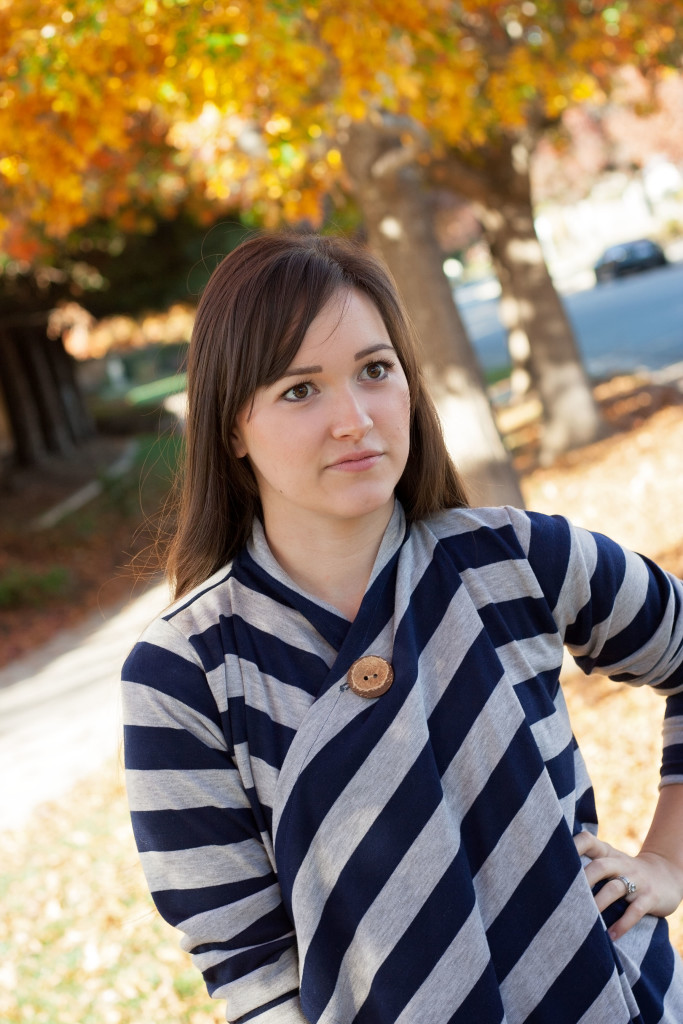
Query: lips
[357, 460]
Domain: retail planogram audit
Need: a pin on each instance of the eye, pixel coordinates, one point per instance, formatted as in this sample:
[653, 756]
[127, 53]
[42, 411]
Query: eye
[297, 392]
[376, 371]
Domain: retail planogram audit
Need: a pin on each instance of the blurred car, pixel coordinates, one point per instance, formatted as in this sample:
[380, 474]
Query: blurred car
[629, 258]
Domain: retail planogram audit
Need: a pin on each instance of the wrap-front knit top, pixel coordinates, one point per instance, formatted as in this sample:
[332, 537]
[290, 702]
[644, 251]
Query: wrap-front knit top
[406, 858]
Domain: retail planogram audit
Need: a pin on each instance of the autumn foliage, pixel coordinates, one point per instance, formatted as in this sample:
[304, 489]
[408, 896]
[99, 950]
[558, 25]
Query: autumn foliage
[119, 109]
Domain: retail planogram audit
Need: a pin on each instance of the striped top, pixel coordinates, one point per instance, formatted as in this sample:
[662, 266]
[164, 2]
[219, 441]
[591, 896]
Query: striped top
[409, 858]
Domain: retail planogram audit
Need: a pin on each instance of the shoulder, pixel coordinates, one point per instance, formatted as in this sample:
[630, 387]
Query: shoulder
[499, 527]
[175, 636]
[202, 606]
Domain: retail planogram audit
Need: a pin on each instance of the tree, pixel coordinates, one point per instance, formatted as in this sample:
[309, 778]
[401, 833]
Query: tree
[249, 104]
[260, 157]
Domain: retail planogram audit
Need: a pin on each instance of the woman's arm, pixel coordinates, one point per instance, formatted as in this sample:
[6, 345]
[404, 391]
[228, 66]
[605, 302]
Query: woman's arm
[206, 864]
[657, 871]
[622, 615]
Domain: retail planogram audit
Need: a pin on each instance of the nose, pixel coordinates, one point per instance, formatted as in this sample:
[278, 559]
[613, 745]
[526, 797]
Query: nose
[350, 417]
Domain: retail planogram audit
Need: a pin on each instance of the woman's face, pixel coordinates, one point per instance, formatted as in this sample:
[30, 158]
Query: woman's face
[329, 440]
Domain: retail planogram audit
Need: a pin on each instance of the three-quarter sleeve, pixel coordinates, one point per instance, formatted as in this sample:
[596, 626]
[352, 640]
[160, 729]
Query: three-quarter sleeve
[205, 861]
[672, 758]
[617, 612]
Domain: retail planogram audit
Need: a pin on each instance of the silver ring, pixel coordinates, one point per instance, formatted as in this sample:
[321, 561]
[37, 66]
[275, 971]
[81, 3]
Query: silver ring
[631, 887]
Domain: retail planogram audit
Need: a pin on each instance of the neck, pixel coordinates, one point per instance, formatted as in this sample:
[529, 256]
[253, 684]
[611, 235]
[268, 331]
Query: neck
[333, 564]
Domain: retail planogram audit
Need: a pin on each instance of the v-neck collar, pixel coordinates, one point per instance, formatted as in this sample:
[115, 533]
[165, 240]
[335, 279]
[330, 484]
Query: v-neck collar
[266, 573]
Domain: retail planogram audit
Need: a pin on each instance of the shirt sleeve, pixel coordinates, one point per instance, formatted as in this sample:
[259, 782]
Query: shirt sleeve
[206, 864]
[617, 612]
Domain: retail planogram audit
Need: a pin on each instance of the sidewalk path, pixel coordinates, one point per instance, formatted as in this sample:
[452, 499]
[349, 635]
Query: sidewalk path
[60, 715]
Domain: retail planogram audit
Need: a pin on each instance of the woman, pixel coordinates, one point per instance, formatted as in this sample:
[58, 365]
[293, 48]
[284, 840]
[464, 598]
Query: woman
[352, 778]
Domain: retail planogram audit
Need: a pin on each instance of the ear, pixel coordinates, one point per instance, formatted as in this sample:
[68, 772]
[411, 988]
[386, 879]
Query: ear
[239, 449]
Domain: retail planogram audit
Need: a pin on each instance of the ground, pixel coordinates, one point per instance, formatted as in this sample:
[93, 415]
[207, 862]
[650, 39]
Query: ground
[92, 559]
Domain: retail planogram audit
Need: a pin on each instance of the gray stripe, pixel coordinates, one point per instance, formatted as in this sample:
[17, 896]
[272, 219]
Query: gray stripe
[146, 706]
[182, 789]
[203, 866]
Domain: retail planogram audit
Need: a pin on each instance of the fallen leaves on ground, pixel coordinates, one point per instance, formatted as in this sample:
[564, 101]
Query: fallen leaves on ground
[80, 941]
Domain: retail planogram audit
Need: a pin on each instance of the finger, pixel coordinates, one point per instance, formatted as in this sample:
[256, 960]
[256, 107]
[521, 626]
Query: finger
[609, 869]
[610, 892]
[627, 920]
[588, 845]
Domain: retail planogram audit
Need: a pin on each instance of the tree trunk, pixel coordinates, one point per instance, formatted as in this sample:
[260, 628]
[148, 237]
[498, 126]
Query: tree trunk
[519, 347]
[44, 405]
[387, 185]
[79, 421]
[52, 415]
[20, 402]
[501, 190]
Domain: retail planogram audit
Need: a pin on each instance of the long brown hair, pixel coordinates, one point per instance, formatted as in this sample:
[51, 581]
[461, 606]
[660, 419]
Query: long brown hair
[250, 323]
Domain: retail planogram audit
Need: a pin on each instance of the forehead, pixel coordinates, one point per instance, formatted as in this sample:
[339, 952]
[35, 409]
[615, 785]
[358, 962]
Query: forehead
[349, 316]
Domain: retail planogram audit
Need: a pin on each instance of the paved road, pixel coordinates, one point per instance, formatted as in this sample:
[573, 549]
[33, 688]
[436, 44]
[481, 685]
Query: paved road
[60, 716]
[633, 323]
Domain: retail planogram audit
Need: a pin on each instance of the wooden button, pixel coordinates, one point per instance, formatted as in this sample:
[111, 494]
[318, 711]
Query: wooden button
[370, 676]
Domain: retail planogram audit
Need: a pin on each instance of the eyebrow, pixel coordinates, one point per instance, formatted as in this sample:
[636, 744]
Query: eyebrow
[301, 371]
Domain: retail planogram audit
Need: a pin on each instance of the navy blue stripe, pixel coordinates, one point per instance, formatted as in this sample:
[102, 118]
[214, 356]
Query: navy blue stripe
[377, 609]
[482, 546]
[333, 627]
[503, 796]
[176, 905]
[579, 984]
[266, 1006]
[537, 695]
[517, 619]
[538, 894]
[268, 928]
[561, 771]
[656, 974]
[173, 749]
[643, 626]
[268, 740]
[549, 550]
[461, 702]
[585, 811]
[674, 705]
[370, 866]
[672, 759]
[241, 965]
[483, 1004]
[270, 654]
[607, 578]
[423, 943]
[192, 827]
[675, 679]
[172, 675]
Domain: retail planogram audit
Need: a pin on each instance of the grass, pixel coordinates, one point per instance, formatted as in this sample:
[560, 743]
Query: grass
[21, 587]
[83, 563]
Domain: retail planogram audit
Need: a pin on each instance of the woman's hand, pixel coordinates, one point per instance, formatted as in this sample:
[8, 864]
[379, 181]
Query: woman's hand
[658, 881]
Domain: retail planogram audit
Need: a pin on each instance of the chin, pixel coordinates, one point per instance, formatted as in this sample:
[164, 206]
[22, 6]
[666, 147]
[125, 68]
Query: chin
[366, 506]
